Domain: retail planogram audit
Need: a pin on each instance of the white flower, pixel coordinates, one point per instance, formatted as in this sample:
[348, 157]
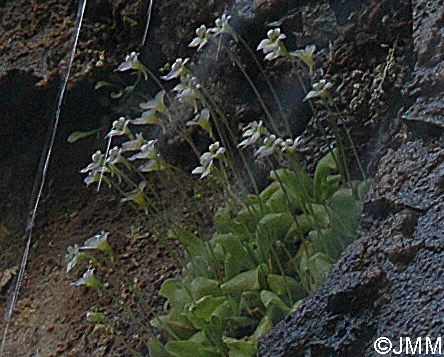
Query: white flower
[114, 156]
[289, 145]
[154, 106]
[320, 89]
[273, 46]
[222, 26]
[152, 165]
[157, 103]
[188, 90]
[268, 147]
[147, 151]
[99, 241]
[95, 169]
[201, 40]
[177, 69]
[206, 160]
[132, 62]
[87, 279]
[203, 120]
[129, 63]
[71, 257]
[120, 127]
[252, 132]
[147, 117]
[133, 145]
[306, 55]
[94, 176]
[97, 162]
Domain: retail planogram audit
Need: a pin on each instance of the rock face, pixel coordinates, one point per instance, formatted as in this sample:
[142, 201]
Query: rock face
[35, 43]
[389, 282]
[35, 36]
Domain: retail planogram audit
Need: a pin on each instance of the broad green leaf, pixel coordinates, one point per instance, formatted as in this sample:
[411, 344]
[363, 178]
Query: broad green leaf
[325, 241]
[249, 301]
[198, 322]
[174, 291]
[201, 286]
[251, 280]
[176, 322]
[199, 266]
[218, 252]
[298, 230]
[345, 210]
[278, 202]
[280, 285]
[232, 266]
[245, 222]
[248, 280]
[233, 245]
[222, 219]
[205, 306]
[264, 326]
[319, 214]
[327, 164]
[241, 348]
[266, 194]
[200, 338]
[298, 186]
[269, 298]
[363, 187]
[272, 227]
[225, 310]
[319, 265]
[193, 244]
[156, 348]
[80, 135]
[296, 305]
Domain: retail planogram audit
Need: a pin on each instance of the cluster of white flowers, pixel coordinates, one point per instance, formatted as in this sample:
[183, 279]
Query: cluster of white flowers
[204, 34]
[178, 69]
[207, 159]
[252, 133]
[272, 46]
[99, 242]
[188, 91]
[255, 133]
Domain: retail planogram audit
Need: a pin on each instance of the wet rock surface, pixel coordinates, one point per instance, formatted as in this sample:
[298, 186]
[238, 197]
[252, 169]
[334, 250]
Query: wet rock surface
[389, 281]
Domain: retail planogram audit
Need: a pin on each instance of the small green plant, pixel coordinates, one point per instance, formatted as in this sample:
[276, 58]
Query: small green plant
[259, 265]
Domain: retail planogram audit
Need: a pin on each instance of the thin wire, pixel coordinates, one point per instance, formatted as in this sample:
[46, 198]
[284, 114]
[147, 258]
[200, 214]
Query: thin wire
[42, 179]
[148, 19]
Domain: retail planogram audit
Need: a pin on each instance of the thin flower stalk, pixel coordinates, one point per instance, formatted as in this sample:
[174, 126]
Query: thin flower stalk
[253, 87]
[211, 103]
[267, 80]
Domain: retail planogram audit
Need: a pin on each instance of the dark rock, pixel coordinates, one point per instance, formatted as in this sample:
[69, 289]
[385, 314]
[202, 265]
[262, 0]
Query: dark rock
[389, 281]
[425, 117]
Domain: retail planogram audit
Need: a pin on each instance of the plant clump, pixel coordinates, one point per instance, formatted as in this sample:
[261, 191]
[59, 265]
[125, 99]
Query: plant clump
[271, 249]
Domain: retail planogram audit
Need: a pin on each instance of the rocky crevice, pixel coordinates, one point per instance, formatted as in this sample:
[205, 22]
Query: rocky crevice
[389, 281]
